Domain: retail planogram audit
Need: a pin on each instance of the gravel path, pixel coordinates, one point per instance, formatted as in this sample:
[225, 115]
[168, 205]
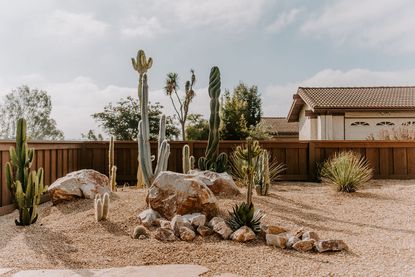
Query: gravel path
[377, 223]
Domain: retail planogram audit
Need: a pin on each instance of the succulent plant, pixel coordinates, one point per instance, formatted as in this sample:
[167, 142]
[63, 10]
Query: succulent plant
[188, 161]
[245, 215]
[25, 185]
[101, 206]
[141, 65]
[213, 160]
[113, 178]
[112, 169]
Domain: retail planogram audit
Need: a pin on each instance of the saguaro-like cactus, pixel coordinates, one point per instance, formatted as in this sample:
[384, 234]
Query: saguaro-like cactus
[101, 206]
[213, 160]
[188, 161]
[26, 186]
[144, 151]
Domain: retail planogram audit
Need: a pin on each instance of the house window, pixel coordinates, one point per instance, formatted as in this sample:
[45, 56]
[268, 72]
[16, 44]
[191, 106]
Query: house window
[359, 123]
[385, 123]
[409, 123]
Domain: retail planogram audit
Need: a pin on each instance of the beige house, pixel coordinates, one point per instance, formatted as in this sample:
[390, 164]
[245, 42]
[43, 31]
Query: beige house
[351, 113]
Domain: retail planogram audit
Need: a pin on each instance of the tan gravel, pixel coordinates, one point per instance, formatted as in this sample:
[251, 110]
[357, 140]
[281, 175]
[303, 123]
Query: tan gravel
[377, 223]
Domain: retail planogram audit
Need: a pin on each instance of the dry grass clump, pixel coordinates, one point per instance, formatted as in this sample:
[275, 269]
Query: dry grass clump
[347, 171]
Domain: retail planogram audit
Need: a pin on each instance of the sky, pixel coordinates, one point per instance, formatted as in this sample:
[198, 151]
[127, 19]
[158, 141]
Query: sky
[80, 51]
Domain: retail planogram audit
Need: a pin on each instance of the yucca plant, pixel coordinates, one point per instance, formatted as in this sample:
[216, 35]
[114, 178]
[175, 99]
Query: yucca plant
[245, 214]
[347, 171]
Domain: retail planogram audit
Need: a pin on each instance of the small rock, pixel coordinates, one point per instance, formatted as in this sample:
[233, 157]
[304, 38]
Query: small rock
[204, 231]
[291, 241]
[139, 231]
[141, 237]
[164, 234]
[331, 245]
[148, 217]
[310, 235]
[196, 219]
[299, 233]
[304, 245]
[243, 234]
[276, 240]
[263, 231]
[186, 234]
[219, 225]
[165, 224]
[177, 222]
[275, 230]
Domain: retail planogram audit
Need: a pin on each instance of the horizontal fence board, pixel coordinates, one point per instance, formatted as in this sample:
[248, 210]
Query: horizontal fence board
[389, 159]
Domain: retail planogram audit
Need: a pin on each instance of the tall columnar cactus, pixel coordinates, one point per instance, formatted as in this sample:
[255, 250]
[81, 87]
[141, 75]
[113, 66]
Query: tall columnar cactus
[113, 178]
[213, 160]
[141, 65]
[110, 156]
[26, 186]
[101, 206]
[188, 161]
[262, 177]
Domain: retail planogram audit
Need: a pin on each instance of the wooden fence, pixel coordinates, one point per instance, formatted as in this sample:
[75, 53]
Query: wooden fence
[390, 160]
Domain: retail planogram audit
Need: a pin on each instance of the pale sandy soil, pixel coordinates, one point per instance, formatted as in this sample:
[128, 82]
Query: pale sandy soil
[377, 223]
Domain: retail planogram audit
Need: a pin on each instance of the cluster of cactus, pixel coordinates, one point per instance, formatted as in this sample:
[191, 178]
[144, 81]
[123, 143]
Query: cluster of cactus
[112, 169]
[213, 160]
[188, 161]
[141, 65]
[25, 185]
[101, 206]
[262, 176]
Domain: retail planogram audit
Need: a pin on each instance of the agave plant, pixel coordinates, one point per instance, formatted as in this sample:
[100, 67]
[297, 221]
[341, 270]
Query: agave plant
[347, 171]
[245, 215]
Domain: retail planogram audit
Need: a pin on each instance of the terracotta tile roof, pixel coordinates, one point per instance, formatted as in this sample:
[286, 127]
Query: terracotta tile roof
[358, 97]
[279, 125]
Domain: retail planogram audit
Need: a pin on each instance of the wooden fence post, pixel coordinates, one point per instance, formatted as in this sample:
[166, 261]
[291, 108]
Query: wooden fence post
[311, 160]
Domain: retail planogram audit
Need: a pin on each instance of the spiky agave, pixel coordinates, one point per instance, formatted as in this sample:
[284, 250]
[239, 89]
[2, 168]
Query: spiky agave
[245, 215]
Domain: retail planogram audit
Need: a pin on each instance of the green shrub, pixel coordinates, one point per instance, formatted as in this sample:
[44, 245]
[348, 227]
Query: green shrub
[347, 171]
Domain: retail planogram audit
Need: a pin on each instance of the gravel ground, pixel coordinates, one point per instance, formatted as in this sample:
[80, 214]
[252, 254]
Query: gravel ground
[377, 223]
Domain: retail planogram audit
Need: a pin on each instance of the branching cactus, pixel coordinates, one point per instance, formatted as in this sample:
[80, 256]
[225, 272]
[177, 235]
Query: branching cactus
[101, 206]
[25, 185]
[141, 65]
[213, 160]
[188, 161]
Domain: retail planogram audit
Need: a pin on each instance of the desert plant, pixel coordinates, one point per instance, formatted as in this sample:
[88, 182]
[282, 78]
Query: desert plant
[144, 150]
[26, 186]
[101, 206]
[188, 161]
[267, 171]
[245, 215]
[113, 178]
[112, 169]
[347, 171]
[213, 160]
[182, 106]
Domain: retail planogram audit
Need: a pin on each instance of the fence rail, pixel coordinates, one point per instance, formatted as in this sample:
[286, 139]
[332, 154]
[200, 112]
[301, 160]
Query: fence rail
[390, 159]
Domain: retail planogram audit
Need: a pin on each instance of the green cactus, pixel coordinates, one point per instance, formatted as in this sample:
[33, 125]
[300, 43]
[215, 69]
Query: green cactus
[186, 159]
[262, 176]
[110, 156]
[141, 65]
[192, 162]
[113, 178]
[101, 206]
[212, 160]
[26, 186]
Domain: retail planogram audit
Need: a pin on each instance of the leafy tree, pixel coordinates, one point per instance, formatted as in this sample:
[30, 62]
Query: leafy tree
[233, 118]
[92, 136]
[182, 106]
[121, 120]
[197, 127]
[33, 105]
[241, 112]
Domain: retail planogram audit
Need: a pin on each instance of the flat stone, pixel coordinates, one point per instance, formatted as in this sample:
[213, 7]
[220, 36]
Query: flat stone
[173, 270]
[277, 240]
[304, 245]
[196, 219]
[331, 245]
[243, 234]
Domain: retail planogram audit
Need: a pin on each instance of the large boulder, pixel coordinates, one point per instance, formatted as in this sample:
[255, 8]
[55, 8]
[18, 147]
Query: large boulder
[221, 184]
[174, 193]
[84, 183]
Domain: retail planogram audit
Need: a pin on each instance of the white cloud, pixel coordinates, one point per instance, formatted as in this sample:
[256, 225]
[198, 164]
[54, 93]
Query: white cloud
[385, 24]
[279, 97]
[142, 27]
[74, 26]
[283, 20]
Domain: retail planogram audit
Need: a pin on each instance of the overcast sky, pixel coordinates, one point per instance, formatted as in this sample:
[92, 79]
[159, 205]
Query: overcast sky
[79, 50]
